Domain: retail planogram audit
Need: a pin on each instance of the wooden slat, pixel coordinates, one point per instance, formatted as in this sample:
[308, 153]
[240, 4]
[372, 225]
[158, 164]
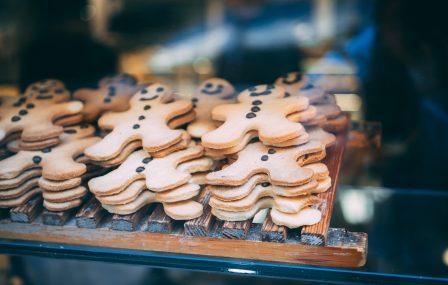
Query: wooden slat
[158, 221]
[129, 222]
[317, 234]
[27, 212]
[236, 230]
[90, 214]
[201, 226]
[272, 232]
[4, 213]
[57, 218]
[348, 250]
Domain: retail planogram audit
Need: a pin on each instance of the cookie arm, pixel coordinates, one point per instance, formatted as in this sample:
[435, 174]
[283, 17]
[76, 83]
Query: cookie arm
[111, 119]
[235, 174]
[290, 173]
[13, 166]
[278, 129]
[227, 135]
[110, 146]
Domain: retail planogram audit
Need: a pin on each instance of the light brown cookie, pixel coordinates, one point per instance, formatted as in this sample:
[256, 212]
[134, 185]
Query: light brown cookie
[69, 120]
[14, 202]
[337, 125]
[63, 206]
[48, 90]
[57, 163]
[160, 173]
[303, 116]
[38, 145]
[181, 120]
[261, 108]
[145, 198]
[66, 195]
[113, 94]
[280, 164]
[51, 185]
[317, 133]
[181, 193]
[146, 121]
[19, 180]
[19, 190]
[211, 93]
[330, 111]
[126, 196]
[305, 217]
[35, 119]
[184, 210]
[297, 83]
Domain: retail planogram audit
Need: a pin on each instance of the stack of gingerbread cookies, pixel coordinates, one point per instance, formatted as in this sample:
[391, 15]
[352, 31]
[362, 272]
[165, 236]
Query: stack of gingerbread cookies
[273, 160]
[155, 160]
[44, 151]
[328, 113]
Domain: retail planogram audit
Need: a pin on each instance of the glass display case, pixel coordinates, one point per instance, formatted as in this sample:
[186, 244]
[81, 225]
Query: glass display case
[387, 71]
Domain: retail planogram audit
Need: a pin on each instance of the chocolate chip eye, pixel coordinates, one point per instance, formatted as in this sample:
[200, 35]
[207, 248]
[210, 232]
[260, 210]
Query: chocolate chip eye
[194, 99]
[208, 85]
[265, 184]
[140, 169]
[271, 151]
[144, 91]
[146, 160]
[70, 131]
[46, 150]
[250, 115]
[23, 112]
[257, 102]
[136, 126]
[220, 86]
[264, 157]
[30, 106]
[15, 118]
[287, 94]
[252, 89]
[112, 88]
[37, 159]
[141, 118]
[147, 107]
[255, 109]
[160, 89]
[44, 90]
[59, 91]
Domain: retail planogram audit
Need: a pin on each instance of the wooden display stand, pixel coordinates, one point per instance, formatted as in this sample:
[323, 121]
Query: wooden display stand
[150, 229]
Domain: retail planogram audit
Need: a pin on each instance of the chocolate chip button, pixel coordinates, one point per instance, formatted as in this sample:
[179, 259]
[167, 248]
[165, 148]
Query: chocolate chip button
[37, 159]
[271, 151]
[46, 150]
[70, 131]
[140, 169]
[22, 99]
[107, 100]
[136, 126]
[265, 184]
[15, 118]
[23, 112]
[250, 115]
[255, 109]
[147, 107]
[111, 93]
[160, 89]
[17, 104]
[146, 160]
[257, 102]
[264, 157]
[144, 91]
[287, 94]
[141, 118]
[30, 106]
[208, 85]
[194, 99]
[112, 88]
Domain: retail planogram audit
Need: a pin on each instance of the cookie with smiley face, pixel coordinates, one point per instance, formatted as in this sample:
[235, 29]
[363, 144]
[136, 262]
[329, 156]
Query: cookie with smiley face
[297, 83]
[211, 93]
[146, 121]
[262, 108]
[48, 90]
[112, 94]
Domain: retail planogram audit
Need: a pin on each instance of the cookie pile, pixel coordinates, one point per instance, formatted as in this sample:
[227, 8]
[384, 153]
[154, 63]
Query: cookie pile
[274, 160]
[37, 117]
[156, 161]
[328, 113]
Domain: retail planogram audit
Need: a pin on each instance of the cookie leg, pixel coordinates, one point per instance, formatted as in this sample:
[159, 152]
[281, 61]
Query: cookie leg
[227, 135]
[235, 174]
[289, 175]
[110, 146]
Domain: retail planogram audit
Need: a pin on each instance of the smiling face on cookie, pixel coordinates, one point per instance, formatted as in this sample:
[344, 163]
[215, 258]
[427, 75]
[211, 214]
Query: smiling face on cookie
[261, 92]
[48, 90]
[216, 87]
[153, 93]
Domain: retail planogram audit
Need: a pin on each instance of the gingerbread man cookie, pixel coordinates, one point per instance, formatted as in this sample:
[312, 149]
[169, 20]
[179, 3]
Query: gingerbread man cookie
[113, 94]
[146, 121]
[35, 118]
[49, 90]
[211, 93]
[297, 83]
[280, 164]
[160, 173]
[262, 108]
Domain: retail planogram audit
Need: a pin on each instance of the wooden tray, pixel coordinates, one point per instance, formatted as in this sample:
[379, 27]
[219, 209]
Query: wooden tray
[151, 230]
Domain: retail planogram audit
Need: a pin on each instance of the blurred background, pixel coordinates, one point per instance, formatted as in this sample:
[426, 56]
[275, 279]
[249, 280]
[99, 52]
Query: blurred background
[385, 60]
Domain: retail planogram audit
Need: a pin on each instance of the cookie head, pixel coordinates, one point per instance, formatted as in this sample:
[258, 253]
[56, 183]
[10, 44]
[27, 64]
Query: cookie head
[48, 90]
[293, 82]
[216, 87]
[261, 92]
[124, 78]
[153, 93]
